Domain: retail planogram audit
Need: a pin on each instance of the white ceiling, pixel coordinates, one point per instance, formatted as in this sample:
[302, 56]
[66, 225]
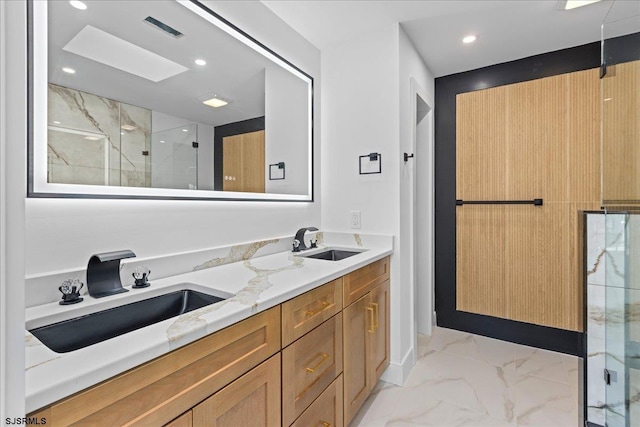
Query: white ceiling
[233, 71]
[506, 29]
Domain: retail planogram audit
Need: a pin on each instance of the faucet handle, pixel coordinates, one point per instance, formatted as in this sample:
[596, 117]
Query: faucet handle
[70, 292]
[296, 245]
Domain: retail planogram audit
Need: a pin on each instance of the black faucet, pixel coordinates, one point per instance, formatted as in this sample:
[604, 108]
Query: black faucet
[103, 273]
[299, 239]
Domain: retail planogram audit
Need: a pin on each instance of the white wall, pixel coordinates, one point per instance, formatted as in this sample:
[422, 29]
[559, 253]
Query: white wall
[366, 108]
[415, 79]
[360, 105]
[12, 193]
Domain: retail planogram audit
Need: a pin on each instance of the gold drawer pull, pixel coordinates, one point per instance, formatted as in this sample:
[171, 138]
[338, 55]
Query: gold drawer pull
[325, 356]
[375, 307]
[325, 424]
[370, 310]
[313, 313]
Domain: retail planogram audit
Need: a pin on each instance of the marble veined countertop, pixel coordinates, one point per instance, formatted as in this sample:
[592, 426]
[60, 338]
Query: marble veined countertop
[255, 285]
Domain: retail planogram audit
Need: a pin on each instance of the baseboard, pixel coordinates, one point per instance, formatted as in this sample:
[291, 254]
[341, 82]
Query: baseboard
[397, 373]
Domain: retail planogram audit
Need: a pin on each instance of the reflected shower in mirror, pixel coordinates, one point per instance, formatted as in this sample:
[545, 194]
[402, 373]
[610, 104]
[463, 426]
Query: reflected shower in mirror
[163, 98]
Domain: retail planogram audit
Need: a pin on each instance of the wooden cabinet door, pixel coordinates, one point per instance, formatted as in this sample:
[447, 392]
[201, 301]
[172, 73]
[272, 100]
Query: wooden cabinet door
[380, 337]
[358, 324]
[184, 420]
[251, 400]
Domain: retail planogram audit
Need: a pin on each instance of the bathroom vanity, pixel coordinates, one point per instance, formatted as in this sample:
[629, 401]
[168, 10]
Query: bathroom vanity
[302, 342]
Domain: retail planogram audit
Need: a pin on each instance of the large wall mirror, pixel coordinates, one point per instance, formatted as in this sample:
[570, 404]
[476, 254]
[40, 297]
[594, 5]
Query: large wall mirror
[163, 99]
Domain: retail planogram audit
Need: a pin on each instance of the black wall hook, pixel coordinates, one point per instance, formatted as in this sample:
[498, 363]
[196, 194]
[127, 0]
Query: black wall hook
[408, 156]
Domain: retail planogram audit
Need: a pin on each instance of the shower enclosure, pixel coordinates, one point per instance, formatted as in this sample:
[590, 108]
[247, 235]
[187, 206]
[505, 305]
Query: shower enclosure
[174, 158]
[613, 238]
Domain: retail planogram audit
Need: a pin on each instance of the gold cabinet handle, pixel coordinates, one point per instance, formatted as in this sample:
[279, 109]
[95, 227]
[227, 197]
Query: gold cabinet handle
[325, 424]
[313, 313]
[370, 310]
[375, 308]
[325, 356]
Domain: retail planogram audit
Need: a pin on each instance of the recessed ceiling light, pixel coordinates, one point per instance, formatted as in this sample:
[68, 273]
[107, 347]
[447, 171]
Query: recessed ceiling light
[55, 122]
[185, 130]
[469, 39]
[162, 142]
[69, 70]
[128, 127]
[200, 62]
[78, 4]
[572, 4]
[91, 138]
[215, 102]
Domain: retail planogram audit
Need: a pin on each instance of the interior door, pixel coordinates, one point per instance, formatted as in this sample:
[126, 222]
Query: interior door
[243, 162]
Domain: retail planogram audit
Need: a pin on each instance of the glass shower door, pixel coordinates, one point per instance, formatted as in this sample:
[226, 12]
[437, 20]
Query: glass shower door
[622, 374]
[174, 158]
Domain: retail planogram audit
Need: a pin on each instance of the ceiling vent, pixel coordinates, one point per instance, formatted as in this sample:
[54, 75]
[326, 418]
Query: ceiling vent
[164, 27]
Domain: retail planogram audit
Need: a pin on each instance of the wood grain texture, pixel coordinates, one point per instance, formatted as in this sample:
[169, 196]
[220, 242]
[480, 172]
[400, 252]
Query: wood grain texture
[158, 391]
[480, 260]
[537, 276]
[362, 281]
[326, 411]
[536, 140]
[184, 420]
[380, 339]
[621, 135]
[305, 312]
[244, 159]
[357, 377]
[481, 145]
[523, 262]
[251, 400]
[309, 365]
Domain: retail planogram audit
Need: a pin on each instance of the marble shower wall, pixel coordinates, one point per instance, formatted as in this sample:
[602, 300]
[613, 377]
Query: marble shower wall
[596, 333]
[613, 318]
[94, 140]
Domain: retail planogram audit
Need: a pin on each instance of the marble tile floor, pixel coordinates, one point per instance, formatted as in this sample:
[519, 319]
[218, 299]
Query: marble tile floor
[463, 379]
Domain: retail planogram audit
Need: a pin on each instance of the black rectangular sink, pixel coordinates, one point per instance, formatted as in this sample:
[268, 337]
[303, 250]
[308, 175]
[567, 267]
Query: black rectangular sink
[80, 332]
[333, 255]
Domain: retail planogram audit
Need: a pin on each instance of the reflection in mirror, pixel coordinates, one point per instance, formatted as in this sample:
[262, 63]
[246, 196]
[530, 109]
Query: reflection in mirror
[162, 98]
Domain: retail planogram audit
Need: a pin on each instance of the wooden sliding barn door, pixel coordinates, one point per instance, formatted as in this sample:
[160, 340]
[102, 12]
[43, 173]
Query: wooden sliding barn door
[526, 141]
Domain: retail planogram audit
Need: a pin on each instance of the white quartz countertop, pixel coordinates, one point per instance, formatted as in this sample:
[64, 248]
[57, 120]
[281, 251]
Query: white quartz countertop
[256, 285]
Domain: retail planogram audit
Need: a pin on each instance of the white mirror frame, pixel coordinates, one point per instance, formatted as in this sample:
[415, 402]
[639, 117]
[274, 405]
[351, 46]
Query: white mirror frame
[37, 141]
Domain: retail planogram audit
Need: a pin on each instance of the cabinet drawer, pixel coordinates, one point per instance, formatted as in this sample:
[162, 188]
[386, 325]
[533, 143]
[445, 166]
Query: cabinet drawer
[305, 312]
[361, 281]
[158, 391]
[309, 365]
[251, 400]
[326, 411]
